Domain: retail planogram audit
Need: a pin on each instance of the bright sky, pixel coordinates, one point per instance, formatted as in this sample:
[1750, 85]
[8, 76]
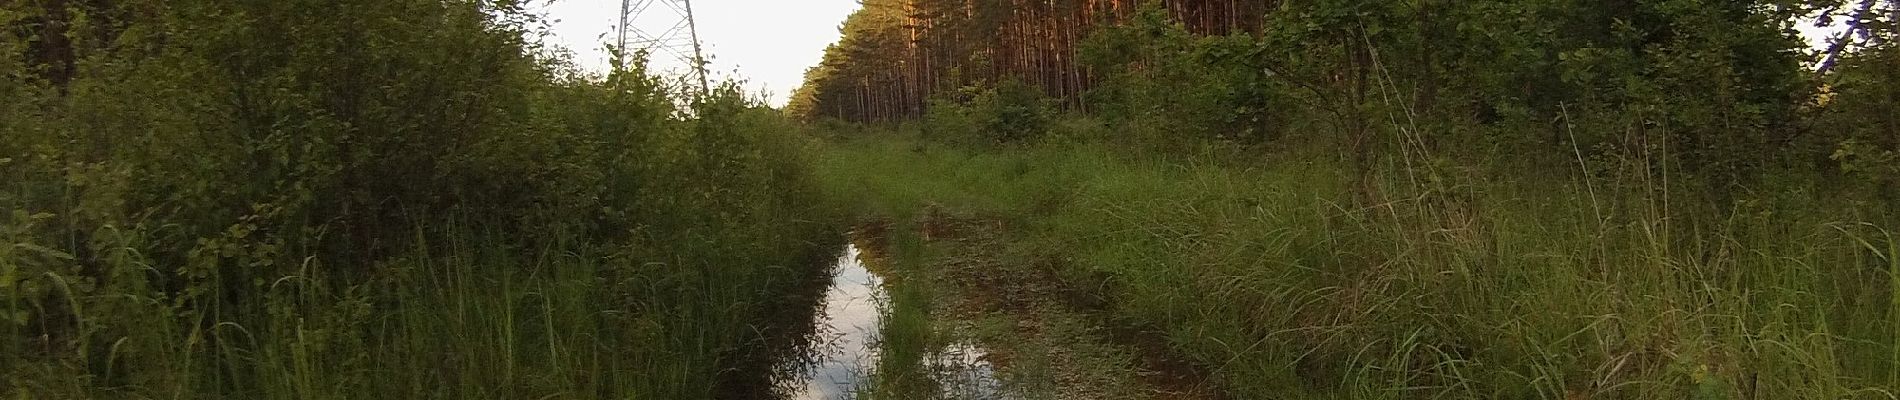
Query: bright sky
[768, 43]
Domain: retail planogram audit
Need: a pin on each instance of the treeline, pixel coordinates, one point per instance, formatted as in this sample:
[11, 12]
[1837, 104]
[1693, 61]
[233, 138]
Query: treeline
[896, 54]
[380, 198]
[1728, 85]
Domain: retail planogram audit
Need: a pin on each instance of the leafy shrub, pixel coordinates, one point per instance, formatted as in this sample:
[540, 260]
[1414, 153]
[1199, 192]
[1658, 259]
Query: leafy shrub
[949, 121]
[1858, 119]
[1013, 112]
[1186, 86]
[1009, 112]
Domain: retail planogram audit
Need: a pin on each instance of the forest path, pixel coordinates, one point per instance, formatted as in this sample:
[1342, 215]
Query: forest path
[1047, 336]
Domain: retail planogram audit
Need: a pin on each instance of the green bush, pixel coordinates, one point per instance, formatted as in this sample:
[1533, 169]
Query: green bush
[1857, 119]
[1008, 113]
[1163, 79]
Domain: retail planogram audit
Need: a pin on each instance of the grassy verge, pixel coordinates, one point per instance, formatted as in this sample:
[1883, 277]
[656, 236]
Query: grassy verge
[1289, 278]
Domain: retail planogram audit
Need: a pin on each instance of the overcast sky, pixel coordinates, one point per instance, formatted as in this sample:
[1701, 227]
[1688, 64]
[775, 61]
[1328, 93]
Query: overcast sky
[769, 43]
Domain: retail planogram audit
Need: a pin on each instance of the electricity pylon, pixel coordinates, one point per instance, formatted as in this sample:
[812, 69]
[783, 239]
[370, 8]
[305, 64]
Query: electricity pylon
[679, 38]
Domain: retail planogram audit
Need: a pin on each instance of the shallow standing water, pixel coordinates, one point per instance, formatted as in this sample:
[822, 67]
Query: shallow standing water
[845, 348]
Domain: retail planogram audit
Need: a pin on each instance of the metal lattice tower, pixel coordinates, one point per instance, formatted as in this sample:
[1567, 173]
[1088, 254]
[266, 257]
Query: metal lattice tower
[669, 32]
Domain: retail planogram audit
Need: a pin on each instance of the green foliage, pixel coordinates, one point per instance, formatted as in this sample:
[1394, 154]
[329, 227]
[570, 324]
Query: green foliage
[1468, 77]
[1857, 115]
[870, 55]
[1624, 66]
[950, 121]
[1186, 86]
[1011, 112]
[303, 199]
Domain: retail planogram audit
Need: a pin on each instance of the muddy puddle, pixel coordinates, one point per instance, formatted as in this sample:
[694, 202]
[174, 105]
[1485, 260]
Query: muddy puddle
[850, 328]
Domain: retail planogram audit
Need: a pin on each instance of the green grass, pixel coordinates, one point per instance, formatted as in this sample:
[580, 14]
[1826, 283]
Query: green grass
[907, 326]
[904, 344]
[1289, 278]
[469, 316]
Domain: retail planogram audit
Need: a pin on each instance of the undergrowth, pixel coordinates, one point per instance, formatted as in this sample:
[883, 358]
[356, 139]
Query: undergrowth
[382, 199]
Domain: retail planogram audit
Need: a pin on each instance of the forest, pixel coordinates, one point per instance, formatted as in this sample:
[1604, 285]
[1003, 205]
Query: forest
[967, 199]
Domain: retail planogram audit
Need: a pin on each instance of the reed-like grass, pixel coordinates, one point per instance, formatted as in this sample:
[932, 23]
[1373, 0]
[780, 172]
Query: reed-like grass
[463, 315]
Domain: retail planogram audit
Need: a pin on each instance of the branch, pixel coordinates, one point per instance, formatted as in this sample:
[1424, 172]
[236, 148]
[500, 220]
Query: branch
[1840, 44]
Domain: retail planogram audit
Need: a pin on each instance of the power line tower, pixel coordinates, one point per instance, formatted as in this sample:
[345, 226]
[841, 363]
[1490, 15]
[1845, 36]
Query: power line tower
[679, 38]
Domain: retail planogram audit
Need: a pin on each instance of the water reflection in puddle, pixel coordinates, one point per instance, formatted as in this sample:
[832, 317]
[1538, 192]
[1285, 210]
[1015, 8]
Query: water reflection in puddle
[845, 348]
[844, 352]
[964, 372]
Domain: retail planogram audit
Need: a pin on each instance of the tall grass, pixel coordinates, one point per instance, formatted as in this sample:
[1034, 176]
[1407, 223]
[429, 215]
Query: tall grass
[471, 317]
[1289, 277]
